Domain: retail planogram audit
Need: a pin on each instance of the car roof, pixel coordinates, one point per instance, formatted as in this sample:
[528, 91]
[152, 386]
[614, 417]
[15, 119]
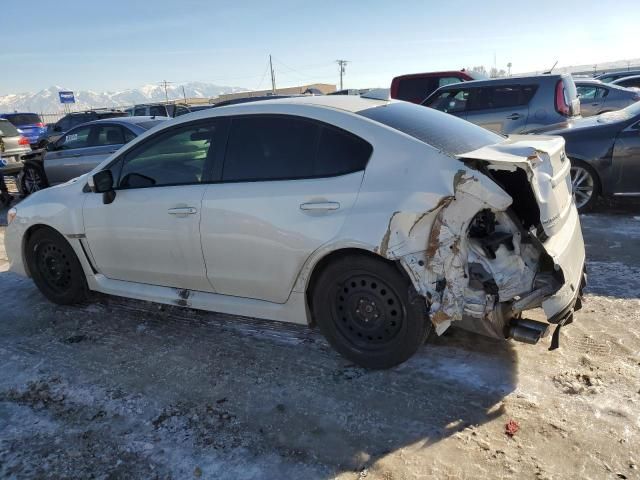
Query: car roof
[349, 103]
[506, 80]
[124, 120]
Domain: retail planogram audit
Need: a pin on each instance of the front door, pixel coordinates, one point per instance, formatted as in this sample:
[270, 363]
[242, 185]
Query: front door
[150, 233]
[287, 187]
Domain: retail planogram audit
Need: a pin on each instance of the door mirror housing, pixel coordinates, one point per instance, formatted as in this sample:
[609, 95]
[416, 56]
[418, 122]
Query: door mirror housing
[102, 182]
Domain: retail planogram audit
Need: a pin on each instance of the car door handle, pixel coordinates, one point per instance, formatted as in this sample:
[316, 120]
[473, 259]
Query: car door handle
[182, 211]
[514, 116]
[319, 206]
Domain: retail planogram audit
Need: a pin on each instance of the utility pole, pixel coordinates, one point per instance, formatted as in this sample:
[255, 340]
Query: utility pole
[342, 64]
[509, 69]
[184, 95]
[273, 77]
[164, 83]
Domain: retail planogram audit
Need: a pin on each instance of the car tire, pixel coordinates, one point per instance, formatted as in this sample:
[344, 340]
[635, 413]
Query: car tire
[369, 311]
[33, 179]
[55, 268]
[585, 185]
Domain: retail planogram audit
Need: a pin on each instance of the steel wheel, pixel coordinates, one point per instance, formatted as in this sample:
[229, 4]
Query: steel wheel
[369, 313]
[583, 185]
[32, 181]
[54, 266]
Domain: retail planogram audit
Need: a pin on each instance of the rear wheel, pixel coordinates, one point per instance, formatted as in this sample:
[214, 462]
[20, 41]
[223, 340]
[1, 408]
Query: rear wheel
[369, 312]
[55, 268]
[33, 178]
[585, 185]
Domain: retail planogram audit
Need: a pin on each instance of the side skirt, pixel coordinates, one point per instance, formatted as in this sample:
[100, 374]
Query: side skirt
[293, 311]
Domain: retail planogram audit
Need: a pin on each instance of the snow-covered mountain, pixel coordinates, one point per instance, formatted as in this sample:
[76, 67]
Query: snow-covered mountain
[47, 100]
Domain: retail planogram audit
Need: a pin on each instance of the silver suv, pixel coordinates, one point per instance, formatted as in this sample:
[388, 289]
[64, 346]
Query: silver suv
[510, 105]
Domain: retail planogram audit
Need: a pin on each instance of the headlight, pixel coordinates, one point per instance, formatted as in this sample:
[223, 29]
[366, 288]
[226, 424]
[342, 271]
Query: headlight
[11, 214]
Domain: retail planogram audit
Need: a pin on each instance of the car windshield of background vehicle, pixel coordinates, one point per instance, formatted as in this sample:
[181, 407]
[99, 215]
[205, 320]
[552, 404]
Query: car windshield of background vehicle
[7, 129]
[448, 133]
[23, 119]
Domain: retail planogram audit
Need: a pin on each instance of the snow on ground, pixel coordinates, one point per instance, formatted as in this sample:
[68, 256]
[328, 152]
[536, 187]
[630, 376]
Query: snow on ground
[126, 389]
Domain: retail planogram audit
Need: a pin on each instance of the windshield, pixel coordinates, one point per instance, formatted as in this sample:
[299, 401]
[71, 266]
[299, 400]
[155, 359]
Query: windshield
[445, 132]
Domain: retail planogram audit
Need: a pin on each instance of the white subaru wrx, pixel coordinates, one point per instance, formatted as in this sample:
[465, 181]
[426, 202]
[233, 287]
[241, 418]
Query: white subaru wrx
[371, 219]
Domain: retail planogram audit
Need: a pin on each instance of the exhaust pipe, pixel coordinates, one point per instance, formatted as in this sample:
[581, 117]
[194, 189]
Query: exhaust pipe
[527, 331]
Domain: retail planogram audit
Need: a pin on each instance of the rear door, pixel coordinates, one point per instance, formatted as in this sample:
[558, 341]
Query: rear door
[592, 99]
[502, 108]
[286, 188]
[626, 161]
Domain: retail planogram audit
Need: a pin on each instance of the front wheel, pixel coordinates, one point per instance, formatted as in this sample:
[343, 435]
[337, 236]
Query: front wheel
[369, 312]
[55, 269]
[33, 179]
[585, 185]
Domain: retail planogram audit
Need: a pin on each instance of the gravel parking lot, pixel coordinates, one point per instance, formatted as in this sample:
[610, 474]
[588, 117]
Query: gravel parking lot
[127, 389]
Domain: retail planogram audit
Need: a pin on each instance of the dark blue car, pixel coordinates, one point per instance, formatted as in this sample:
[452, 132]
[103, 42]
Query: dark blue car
[30, 125]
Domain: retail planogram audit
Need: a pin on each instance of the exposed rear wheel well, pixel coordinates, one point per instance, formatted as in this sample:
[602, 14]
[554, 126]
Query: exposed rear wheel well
[335, 256]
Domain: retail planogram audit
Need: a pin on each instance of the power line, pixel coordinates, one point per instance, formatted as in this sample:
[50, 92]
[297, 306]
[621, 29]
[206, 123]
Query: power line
[342, 64]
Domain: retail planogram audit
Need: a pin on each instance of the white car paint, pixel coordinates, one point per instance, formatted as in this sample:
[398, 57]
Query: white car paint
[250, 249]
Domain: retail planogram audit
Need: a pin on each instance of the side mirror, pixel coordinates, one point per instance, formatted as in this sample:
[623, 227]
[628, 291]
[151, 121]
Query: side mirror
[102, 182]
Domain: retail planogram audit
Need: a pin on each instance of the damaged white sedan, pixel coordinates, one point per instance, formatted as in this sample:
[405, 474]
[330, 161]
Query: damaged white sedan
[372, 219]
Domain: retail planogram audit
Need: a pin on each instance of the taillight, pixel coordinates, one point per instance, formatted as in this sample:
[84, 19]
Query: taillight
[561, 102]
[23, 141]
[40, 125]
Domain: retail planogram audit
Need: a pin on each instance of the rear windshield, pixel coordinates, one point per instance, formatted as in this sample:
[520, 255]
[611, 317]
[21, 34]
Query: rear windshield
[448, 133]
[19, 119]
[7, 129]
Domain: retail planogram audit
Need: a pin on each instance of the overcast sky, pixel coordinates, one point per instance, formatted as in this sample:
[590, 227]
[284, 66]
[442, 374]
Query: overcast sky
[116, 44]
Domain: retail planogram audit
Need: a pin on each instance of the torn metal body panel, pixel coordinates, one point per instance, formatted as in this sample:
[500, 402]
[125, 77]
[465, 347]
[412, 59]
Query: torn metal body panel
[494, 249]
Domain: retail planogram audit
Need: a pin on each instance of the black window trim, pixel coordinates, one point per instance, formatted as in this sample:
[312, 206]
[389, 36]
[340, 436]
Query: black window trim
[319, 123]
[220, 151]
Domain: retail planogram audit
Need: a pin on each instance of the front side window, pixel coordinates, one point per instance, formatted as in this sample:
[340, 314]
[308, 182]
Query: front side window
[174, 157]
[586, 92]
[77, 138]
[449, 101]
[140, 111]
[270, 148]
[158, 111]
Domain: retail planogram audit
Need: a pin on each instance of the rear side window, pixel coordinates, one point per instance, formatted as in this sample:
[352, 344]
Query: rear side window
[448, 133]
[269, 147]
[339, 153]
[140, 111]
[108, 135]
[19, 119]
[158, 111]
[502, 96]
